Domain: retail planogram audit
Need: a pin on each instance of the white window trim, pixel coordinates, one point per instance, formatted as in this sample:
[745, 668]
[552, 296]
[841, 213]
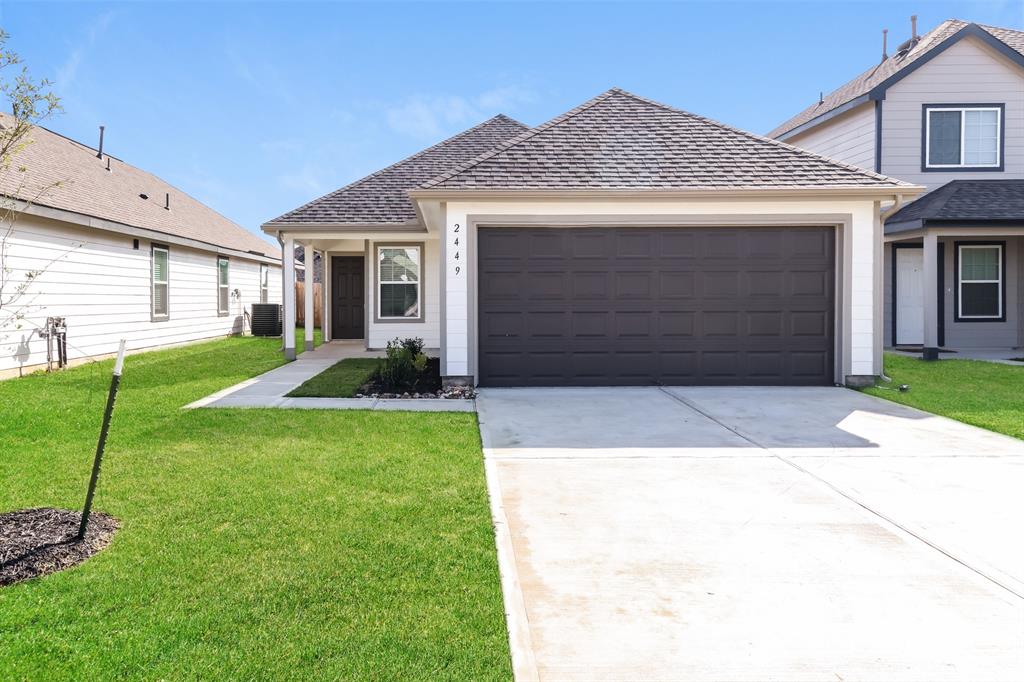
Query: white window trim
[418, 283]
[963, 125]
[264, 283]
[960, 282]
[153, 282]
[225, 286]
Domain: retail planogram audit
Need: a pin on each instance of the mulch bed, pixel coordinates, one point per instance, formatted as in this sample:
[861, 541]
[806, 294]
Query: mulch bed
[427, 385]
[37, 542]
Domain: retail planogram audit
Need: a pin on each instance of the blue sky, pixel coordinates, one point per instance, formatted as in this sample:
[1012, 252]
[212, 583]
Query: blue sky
[257, 108]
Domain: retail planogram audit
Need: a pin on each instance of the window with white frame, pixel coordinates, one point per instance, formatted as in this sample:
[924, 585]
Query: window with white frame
[223, 285]
[963, 137]
[980, 281]
[264, 283]
[160, 282]
[398, 282]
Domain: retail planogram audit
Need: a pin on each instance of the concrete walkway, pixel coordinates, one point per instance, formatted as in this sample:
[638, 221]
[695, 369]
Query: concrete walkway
[271, 388]
[753, 534]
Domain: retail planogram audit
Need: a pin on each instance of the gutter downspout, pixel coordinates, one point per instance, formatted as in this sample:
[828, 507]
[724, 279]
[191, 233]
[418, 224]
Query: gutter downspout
[897, 204]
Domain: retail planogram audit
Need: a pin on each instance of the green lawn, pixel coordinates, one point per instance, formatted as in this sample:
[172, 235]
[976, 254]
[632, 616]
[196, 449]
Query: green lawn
[984, 394]
[341, 380]
[256, 544]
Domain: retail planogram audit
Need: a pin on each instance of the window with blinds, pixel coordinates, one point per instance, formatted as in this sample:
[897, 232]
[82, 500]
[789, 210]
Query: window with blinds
[160, 285]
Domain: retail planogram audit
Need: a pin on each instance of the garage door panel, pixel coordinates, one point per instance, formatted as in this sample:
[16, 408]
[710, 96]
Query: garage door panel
[639, 306]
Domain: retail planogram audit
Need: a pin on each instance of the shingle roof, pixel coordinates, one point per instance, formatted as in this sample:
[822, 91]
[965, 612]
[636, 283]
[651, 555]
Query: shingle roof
[862, 84]
[86, 187]
[965, 201]
[380, 198]
[621, 141]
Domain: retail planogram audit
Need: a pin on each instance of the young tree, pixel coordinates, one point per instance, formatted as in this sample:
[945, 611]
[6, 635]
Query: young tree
[30, 101]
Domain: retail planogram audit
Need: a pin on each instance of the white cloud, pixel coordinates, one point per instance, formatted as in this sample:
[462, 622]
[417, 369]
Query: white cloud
[67, 73]
[429, 117]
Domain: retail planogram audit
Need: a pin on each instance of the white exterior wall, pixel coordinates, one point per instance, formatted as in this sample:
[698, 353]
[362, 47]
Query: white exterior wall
[101, 285]
[379, 333]
[849, 138]
[968, 72]
[859, 308]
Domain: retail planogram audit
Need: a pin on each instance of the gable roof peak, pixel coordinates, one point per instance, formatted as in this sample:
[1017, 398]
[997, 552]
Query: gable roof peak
[872, 83]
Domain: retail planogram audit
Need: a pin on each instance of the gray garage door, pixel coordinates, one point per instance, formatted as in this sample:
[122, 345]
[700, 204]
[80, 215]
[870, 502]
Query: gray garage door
[640, 306]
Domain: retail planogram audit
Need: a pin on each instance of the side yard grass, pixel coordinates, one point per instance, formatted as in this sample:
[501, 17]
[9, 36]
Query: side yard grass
[985, 394]
[341, 380]
[255, 544]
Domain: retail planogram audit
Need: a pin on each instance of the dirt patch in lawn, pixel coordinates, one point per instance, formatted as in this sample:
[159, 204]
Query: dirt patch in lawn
[37, 542]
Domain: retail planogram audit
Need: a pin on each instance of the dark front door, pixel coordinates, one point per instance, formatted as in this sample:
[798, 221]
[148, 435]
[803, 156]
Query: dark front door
[347, 297]
[609, 306]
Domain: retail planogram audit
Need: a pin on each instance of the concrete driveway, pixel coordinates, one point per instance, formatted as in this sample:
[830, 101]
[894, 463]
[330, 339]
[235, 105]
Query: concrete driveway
[753, 534]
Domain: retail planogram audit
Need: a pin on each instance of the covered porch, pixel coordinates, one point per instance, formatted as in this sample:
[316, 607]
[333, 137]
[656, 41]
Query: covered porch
[377, 285]
[954, 275]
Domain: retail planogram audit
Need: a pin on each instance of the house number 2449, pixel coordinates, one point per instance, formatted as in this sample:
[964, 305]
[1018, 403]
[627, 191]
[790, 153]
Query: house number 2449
[458, 237]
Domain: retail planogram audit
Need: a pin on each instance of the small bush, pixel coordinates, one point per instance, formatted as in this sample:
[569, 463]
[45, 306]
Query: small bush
[404, 362]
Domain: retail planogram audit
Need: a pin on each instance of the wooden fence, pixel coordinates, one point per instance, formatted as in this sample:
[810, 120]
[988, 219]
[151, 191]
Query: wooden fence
[300, 304]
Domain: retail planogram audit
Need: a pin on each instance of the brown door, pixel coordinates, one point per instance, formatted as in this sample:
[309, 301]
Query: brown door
[347, 297]
[648, 306]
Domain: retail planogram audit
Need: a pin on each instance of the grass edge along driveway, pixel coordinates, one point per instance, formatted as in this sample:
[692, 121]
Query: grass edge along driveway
[256, 544]
[985, 394]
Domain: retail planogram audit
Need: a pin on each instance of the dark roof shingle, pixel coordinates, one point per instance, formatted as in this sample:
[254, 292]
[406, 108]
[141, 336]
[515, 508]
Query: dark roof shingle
[863, 84]
[621, 141]
[380, 198]
[964, 201]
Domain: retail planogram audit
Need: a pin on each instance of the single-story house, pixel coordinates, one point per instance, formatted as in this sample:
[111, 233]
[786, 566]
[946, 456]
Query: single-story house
[117, 253]
[625, 242]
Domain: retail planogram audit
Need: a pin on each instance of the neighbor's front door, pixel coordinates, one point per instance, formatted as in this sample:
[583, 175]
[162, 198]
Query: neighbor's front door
[347, 297]
[909, 297]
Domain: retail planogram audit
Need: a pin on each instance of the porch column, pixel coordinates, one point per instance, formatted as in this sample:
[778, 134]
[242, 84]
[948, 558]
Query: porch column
[288, 297]
[931, 302]
[309, 256]
[325, 286]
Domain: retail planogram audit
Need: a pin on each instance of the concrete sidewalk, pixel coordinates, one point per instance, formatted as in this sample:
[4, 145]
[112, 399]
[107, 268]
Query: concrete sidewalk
[271, 388]
[753, 534]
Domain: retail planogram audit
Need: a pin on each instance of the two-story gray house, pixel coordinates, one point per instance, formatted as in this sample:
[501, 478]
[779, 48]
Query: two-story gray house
[945, 111]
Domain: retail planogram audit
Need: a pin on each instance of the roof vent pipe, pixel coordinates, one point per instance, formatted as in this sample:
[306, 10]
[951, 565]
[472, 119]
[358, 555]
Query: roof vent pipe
[99, 154]
[913, 27]
[885, 41]
[167, 201]
[108, 164]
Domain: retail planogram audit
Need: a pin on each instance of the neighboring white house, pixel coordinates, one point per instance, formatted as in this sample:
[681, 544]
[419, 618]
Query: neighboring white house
[624, 242]
[945, 110]
[118, 253]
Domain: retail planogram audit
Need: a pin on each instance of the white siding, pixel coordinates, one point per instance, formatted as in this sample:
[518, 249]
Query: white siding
[969, 72]
[849, 138]
[101, 285]
[379, 333]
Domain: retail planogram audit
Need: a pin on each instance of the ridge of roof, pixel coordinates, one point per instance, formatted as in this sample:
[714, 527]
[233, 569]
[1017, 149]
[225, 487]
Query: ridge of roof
[74, 180]
[355, 183]
[525, 135]
[615, 91]
[877, 76]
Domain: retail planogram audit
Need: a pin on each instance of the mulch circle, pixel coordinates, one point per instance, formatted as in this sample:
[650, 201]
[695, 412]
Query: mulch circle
[37, 542]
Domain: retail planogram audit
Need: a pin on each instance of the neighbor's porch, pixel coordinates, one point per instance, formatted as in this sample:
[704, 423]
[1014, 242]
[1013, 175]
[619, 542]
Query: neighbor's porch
[956, 292]
[377, 286]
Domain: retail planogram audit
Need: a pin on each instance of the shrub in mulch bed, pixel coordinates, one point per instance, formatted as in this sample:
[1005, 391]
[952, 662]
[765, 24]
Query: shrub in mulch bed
[406, 372]
[37, 542]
